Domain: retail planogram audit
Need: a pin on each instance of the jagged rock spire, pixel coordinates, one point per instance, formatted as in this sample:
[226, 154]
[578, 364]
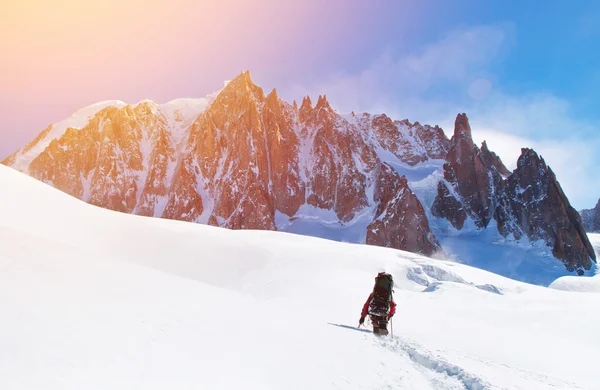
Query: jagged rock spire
[493, 159]
[322, 103]
[306, 103]
[533, 204]
[461, 127]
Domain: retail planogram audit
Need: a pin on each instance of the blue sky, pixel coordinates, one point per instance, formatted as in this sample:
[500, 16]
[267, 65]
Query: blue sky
[553, 46]
[526, 73]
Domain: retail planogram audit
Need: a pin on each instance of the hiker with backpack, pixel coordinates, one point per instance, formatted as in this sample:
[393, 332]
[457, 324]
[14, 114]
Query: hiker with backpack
[380, 305]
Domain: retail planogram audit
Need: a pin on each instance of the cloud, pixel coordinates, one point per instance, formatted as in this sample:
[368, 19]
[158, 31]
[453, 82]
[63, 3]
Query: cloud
[455, 75]
[543, 122]
[572, 160]
[393, 77]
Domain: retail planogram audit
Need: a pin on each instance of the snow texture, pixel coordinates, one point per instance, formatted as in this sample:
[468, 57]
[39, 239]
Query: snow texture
[572, 283]
[523, 260]
[97, 299]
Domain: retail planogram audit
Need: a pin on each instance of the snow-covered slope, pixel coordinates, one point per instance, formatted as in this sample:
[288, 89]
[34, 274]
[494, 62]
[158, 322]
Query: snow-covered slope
[23, 158]
[571, 283]
[97, 299]
[178, 113]
[523, 260]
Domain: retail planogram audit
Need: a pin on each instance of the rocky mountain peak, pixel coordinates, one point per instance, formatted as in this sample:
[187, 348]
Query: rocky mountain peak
[273, 100]
[240, 87]
[306, 109]
[243, 80]
[249, 161]
[527, 203]
[534, 205]
[529, 159]
[462, 129]
[400, 220]
[470, 177]
[493, 159]
[323, 104]
[306, 104]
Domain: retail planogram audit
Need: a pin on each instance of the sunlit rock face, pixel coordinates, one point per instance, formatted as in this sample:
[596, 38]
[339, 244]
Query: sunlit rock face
[242, 160]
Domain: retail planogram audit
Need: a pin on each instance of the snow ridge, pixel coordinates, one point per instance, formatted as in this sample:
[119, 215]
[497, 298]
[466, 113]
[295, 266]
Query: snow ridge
[78, 120]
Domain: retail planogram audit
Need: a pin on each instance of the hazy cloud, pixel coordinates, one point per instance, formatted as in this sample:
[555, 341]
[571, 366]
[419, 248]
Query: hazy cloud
[394, 78]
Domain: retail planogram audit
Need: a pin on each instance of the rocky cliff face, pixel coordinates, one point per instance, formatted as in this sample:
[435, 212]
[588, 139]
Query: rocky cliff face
[534, 205]
[591, 218]
[528, 202]
[400, 220]
[243, 160]
[472, 178]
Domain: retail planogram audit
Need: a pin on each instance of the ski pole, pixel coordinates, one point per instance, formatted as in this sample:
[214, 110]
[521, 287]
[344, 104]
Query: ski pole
[392, 325]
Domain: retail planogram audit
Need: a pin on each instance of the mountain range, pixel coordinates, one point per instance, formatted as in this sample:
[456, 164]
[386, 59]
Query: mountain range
[243, 159]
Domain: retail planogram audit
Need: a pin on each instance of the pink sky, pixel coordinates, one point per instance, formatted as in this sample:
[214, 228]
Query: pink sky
[61, 55]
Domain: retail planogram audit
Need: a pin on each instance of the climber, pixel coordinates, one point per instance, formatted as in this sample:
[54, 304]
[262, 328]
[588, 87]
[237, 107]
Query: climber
[380, 305]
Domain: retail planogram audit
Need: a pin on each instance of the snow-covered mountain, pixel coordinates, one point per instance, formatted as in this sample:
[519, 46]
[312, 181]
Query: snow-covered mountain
[96, 299]
[244, 160]
[241, 159]
[527, 203]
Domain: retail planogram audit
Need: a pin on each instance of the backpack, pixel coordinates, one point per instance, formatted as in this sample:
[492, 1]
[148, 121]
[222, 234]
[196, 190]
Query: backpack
[382, 295]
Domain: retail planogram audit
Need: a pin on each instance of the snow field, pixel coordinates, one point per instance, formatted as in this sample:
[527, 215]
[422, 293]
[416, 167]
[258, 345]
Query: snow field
[97, 299]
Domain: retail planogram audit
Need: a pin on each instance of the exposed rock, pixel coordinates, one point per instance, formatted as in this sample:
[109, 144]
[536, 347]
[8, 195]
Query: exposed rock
[472, 177]
[410, 143]
[246, 157]
[241, 160]
[446, 206]
[591, 219]
[528, 202]
[492, 159]
[400, 220]
[535, 206]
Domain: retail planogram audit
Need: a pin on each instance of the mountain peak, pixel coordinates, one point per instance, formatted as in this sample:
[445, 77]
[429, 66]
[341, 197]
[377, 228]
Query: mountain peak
[272, 96]
[493, 159]
[306, 103]
[462, 127]
[323, 103]
[240, 86]
[529, 155]
[241, 81]
[484, 146]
